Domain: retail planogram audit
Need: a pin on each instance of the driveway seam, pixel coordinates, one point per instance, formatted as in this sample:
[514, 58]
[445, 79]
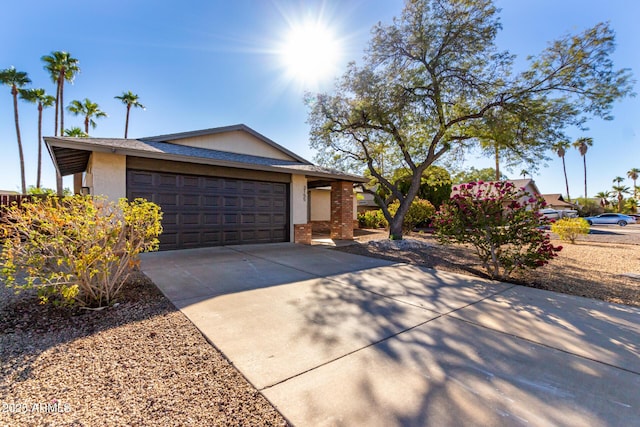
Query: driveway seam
[440, 315]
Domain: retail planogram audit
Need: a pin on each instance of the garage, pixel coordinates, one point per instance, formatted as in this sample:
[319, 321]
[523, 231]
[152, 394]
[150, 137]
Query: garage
[201, 211]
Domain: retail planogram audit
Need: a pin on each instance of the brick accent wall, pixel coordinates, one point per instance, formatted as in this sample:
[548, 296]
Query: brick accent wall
[342, 210]
[321, 226]
[302, 233]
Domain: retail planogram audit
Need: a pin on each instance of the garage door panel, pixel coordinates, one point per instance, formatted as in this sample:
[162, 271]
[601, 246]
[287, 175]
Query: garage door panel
[210, 211]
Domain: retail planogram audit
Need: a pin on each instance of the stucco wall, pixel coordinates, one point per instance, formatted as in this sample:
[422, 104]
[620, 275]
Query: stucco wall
[320, 205]
[107, 175]
[234, 142]
[298, 199]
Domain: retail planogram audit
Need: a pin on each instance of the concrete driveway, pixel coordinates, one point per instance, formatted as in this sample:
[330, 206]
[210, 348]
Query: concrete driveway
[337, 339]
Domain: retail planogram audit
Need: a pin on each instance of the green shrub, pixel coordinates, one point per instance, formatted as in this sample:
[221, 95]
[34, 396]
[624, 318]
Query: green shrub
[372, 219]
[568, 229]
[502, 224]
[77, 249]
[420, 213]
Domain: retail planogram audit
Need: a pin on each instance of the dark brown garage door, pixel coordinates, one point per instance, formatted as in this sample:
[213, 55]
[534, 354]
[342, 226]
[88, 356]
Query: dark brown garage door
[201, 211]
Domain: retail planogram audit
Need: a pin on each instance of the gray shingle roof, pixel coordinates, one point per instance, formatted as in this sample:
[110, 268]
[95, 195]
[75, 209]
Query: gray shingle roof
[176, 152]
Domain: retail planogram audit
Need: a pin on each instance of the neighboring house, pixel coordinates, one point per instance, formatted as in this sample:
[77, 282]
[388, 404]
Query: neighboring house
[557, 202]
[528, 185]
[220, 186]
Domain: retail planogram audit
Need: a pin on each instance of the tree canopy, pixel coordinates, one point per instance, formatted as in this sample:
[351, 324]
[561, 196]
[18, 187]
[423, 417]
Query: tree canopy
[431, 80]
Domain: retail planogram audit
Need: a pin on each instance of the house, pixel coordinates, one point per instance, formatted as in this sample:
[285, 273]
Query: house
[557, 202]
[528, 185]
[222, 186]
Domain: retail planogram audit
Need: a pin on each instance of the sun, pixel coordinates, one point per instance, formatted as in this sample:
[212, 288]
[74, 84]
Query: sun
[310, 54]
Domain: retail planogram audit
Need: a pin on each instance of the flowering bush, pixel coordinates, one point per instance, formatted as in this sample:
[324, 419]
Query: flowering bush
[568, 229]
[420, 211]
[77, 249]
[502, 224]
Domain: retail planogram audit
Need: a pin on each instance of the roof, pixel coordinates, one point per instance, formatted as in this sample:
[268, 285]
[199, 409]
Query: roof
[71, 155]
[224, 129]
[518, 183]
[556, 199]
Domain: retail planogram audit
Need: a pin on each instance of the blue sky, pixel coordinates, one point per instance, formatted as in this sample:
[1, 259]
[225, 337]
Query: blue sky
[200, 64]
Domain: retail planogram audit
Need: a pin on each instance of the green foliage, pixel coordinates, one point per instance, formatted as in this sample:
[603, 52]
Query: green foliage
[372, 219]
[432, 80]
[77, 249]
[474, 175]
[435, 185]
[420, 213]
[501, 223]
[568, 229]
[33, 190]
[588, 207]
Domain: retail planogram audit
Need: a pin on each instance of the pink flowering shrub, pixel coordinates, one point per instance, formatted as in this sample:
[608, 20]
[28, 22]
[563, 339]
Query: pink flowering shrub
[502, 224]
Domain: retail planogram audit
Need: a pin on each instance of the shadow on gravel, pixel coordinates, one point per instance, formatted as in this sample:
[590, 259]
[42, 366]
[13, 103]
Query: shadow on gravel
[28, 328]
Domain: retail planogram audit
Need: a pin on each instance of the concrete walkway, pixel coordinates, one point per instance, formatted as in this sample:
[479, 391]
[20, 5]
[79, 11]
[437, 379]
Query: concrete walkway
[337, 339]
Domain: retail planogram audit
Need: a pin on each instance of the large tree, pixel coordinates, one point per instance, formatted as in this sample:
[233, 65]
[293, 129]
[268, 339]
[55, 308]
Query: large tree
[582, 145]
[429, 79]
[560, 148]
[130, 99]
[15, 80]
[39, 97]
[62, 67]
[87, 109]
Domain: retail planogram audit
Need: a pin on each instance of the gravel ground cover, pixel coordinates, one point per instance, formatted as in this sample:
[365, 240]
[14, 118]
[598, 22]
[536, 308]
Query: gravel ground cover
[139, 363]
[594, 267]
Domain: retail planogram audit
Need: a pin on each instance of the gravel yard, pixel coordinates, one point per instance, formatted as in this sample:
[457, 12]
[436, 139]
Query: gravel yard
[140, 363]
[592, 268]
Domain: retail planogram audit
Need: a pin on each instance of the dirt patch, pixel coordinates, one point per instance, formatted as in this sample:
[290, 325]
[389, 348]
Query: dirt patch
[141, 362]
[593, 268]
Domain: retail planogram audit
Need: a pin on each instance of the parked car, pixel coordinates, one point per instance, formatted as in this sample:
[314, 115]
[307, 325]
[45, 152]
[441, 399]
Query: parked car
[611, 218]
[557, 214]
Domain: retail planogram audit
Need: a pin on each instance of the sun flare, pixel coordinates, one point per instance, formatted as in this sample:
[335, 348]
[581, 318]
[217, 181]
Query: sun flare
[310, 54]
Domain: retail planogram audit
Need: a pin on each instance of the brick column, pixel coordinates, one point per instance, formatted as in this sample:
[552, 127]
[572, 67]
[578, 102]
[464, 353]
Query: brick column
[302, 233]
[342, 210]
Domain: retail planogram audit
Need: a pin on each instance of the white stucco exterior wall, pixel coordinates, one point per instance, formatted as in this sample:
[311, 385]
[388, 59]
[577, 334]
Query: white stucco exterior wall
[298, 199]
[320, 205]
[107, 175]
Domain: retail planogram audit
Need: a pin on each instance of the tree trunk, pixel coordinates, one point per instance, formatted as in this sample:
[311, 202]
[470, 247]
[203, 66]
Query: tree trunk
[584, 161]
[395, 228]
[86, 125]
[39, 173]
[62, 107]
[55, 131]
[126, 123]
[566, 180]
[620, 198]
[14, 92]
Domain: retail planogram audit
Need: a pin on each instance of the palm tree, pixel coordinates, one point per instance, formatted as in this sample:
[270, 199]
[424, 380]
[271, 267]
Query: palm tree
[633, 174]
[583, 144]
[620, 190]
[89, 110]
[40, 97]
[130, 100]
[16, 79]
[605, 198]
[61, 67]
[560, 148]
[75, 132]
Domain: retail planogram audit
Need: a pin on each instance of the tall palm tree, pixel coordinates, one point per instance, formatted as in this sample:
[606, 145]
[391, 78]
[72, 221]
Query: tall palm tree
[75, 132]
[560, 148]
[605, 198]
[620, 190]
[130, 99]
[633, 174]
[39, 97]
[61, 67]
[583, 144]
[16, 79]
[87, 109]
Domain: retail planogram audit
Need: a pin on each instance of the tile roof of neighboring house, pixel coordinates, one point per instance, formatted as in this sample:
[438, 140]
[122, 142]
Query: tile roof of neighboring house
[557, 200]
[71, 155]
